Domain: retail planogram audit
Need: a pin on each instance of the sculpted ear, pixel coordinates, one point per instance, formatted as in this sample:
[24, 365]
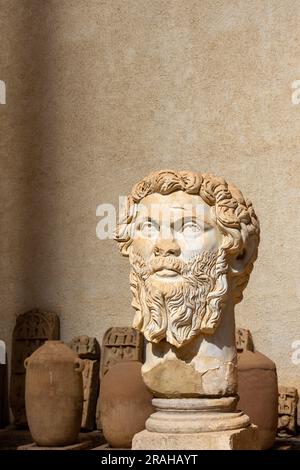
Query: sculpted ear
[247, 256]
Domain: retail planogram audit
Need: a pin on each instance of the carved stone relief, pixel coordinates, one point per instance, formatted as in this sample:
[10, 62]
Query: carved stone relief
[121, 344]
[287, 411]
[244, 341]
[88, 349]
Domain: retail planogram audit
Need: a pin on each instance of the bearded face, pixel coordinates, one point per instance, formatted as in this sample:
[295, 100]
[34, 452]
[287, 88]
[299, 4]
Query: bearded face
[178, 278]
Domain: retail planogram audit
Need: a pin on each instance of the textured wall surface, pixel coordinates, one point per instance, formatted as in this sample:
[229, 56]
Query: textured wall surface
[99, 93]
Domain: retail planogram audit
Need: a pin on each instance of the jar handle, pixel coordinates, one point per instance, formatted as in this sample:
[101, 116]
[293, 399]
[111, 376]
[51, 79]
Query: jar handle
[26, 362]
[79, 363]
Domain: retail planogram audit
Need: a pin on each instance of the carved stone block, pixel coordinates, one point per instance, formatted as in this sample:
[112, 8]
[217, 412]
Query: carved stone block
[88, 349]
[121, 344]
[287, 411]
[244, 341]
[233, 439]
[32, 329]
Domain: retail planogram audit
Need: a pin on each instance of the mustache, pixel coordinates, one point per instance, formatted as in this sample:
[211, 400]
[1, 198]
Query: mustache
[200, 265]
[167, 262]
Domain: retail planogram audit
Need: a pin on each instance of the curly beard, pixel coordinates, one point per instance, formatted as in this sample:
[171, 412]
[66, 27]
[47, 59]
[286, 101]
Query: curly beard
[179, 310]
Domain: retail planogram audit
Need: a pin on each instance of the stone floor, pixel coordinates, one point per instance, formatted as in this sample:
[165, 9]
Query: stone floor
[11, 438]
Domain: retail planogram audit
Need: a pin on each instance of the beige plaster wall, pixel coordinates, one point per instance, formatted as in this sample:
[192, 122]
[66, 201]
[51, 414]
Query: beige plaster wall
[99, 93]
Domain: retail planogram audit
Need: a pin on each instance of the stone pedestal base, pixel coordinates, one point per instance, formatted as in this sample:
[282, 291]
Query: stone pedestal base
[86, 441]
[85, 445]
[238, 439]
[197, 423]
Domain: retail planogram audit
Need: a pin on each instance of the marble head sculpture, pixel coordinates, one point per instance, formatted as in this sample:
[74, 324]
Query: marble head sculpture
[191, 239]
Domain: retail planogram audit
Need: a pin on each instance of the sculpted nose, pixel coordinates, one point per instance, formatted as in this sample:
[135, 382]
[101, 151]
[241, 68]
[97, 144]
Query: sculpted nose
[166, 247]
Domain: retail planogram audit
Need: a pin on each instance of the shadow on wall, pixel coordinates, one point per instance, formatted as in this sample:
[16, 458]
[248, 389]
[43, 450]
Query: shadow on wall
[35, 120]
[29, 210]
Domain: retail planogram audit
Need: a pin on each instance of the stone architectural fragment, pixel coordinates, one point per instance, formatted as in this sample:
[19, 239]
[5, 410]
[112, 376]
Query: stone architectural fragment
[120, 344]
[241, 439]
[86, 347]
[287, 411]
[32, 329]
[244, 341]
[88, 350]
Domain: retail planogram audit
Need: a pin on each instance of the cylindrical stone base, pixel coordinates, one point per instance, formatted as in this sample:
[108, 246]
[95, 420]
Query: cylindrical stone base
[196, 423]
[190, 415]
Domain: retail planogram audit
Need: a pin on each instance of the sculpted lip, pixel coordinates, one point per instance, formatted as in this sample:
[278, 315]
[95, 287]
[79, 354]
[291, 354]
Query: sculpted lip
[164, 272]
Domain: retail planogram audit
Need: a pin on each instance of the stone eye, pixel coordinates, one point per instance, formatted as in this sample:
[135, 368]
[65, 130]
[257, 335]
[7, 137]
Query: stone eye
[148, 229]
[191, 229]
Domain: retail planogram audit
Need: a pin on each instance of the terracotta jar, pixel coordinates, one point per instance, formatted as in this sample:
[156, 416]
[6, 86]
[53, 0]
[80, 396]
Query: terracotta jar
[54, 394]
[258, 391]
[125, 403]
